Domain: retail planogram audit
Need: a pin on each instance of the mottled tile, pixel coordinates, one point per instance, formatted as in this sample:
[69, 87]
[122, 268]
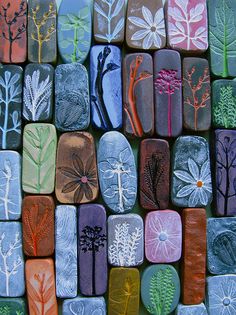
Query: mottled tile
[84, 306]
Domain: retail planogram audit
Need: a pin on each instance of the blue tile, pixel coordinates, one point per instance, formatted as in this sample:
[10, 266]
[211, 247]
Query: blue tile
[66, 251]
[10, 184]
[221, 245]
[220, 295]
[84, 306]
[105, 87]
[117, 172]
[12, 282]
[72, 106]
[199, 309]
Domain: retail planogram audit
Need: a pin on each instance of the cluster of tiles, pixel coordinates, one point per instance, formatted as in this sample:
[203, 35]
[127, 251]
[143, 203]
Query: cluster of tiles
[55, 241]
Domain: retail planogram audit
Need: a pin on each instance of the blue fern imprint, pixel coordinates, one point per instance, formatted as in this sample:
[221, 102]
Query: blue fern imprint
[8, 267]
[36, 96]
[66, 252]
[123, 250]
[114, 8]
[10, 93]
[121, 191]
[7, 205]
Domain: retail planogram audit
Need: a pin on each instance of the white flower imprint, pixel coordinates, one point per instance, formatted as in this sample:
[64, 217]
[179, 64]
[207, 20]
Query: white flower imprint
[198, 183]
[152, 28]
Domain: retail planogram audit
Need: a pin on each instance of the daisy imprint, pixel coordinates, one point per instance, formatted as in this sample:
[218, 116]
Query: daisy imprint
[191, 179]
[145, 25]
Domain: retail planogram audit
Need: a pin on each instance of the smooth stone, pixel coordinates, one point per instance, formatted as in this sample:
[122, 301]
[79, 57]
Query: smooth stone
[13, 44]
[42, 26]
[125, 240]
[38, 225]
[12, 281]
[66, 268]
[84, 306]
[74, 30]
[221, 245]
[117, 172]
[196, 94]
[154, 174]
[10, 107]
[224, 104]
[163, 236]
[145, 16]
[225, 172]
[199, 309]
[39, 155]
[222, 37]
[160, 288]
[168, 93]
[109, 21]
[194, 255]
[40, 284]
[220, 297]
[191, 178]
[76, 173]
[12, 306]
[72, 105]
[138, 100]
[92, 244]
[38, 92]
[187, 25]
[105, 87]
[10, 183]
[124, 288]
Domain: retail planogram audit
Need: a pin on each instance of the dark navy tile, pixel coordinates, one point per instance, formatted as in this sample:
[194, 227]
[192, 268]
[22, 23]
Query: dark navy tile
[105, 87]
[117, 172]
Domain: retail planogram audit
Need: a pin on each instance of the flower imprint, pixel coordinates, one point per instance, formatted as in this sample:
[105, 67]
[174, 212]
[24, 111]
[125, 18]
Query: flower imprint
[84, 178]
[198, 183]
[163, 237]
[152, 28]
[222, 299]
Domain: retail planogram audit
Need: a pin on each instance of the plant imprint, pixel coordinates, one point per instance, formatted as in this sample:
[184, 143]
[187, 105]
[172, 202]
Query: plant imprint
[83, 178]
[166, 83]
[224, 246]
[119, 169]
[123, 250]
[40, 289]
[114, 8]
[152, 28]
[222, 297]
[195, 101]
[7, 175]
[196, 183]
[38, 222]
[98, 98]
[14, 23]
[224, 112]
[36, 96]
[225, 162]
[130, 108]
[6, 310]
[222, 36]
[153, 176]
[79, 308]
[79, 24]
[44, 27]
[124, 295]
[10, 93]
[9, 266]
[182, 29]
[91, 240]
[161, 292]
[39, 151]
[164, 237]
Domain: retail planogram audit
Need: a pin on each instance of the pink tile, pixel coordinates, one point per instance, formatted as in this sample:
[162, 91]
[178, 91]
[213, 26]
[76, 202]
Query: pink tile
[187, 25]
[163, 236]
